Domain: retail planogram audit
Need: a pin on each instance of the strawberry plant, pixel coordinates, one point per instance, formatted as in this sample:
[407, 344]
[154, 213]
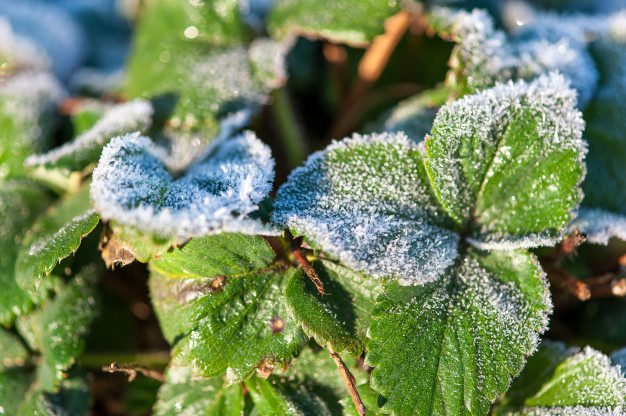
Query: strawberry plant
[290, 207]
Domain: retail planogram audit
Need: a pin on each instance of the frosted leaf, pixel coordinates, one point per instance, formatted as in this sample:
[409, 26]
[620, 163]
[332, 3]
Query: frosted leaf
[599, 225]
[19, 52]
[583, 383]
[51, 29]
[96, 81]
[488, 56]
[366, 201]
[132, 186]
[28, 103]
[508, 161]
[618, 357]
[183, 147]
[452, 346]
[85, 149]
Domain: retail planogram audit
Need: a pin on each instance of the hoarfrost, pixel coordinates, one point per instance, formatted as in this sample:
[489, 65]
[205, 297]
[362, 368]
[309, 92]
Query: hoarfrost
[367, 202]
[123, 118]
[132, 186]
[466, 155]
[599, 225]
[21, 53]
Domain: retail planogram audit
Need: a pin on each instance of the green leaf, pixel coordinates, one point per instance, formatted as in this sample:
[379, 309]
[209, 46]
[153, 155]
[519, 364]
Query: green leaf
[452, 346]
[274, 397]
[14, 353]
[20, 203]
[507, 163]
[192, 54]
[575, 383]
[367, 202]
[58, 329]
[341, 316]
[207, 397]
[222, 305]
[349, 22]
[14, 384]
[54, 236]
[181, 276]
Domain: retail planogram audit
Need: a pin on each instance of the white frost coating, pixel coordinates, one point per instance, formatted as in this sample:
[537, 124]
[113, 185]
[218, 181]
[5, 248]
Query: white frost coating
[599, 225]
[123, 118]
[489, 57]
[619, 358]
[132, 186]
[570, 411]
[59, 235]
[20, 52]
[485, 117]
[365, 201]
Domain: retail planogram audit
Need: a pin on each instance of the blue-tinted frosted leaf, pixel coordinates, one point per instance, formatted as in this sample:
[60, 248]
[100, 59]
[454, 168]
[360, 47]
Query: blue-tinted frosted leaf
[86, 148]
[132, 186]
[367, 201]
[486, 55]
[254, 12]
[507, 162]
[51, 29]
[599, 225]
[18, 52]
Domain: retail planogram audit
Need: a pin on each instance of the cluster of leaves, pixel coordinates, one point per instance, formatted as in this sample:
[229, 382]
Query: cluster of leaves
[398, 269]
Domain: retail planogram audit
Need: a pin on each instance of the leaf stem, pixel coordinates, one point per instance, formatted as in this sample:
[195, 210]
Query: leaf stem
[131, 371]
[309, 269]
[291, 134]
[348, 380]
[370, 68]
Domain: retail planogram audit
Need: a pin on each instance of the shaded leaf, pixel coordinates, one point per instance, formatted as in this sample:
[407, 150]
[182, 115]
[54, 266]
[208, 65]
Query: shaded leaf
[20, 203]
[14, 353]
[208, 397]
[341, 316]
[273, 397]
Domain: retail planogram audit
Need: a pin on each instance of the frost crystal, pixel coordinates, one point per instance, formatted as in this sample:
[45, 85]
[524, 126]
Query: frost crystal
[599, 225]
[132, 186]
[366, 201]
[121, 119]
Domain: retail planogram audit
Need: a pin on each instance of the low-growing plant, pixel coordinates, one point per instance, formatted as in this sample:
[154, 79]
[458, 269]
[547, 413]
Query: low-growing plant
[172, 243]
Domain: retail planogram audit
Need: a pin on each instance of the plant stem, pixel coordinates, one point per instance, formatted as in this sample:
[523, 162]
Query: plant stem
[348, 380]
[309, 270]
[157, 359]
[371, 67]
[290, 132]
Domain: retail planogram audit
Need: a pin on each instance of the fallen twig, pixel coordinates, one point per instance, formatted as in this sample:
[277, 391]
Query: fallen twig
[131, 371]
[309, 269]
